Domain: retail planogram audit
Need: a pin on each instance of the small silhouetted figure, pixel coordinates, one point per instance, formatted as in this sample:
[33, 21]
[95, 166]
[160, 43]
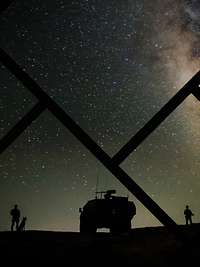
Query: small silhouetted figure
[188, 215]
[15, 213]
[21, 227]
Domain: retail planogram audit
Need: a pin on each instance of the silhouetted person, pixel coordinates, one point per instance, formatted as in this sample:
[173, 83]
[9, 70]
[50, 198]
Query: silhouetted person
[15, 213]
[188, 215]
[21, 227]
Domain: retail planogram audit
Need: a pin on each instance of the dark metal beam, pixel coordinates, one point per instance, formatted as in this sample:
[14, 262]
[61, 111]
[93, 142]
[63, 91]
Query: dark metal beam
[10, 137]
[44, 99]
[196, 93]
[86, 140]
[35, 89]
[191, 87]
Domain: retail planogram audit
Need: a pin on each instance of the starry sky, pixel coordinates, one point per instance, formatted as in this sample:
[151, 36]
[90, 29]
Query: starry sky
[111, 65]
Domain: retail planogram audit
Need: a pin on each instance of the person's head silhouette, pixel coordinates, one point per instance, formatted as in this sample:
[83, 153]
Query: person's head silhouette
[16, 206]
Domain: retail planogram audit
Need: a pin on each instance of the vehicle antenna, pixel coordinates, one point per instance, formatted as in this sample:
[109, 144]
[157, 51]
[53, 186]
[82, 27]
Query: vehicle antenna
[97, 182]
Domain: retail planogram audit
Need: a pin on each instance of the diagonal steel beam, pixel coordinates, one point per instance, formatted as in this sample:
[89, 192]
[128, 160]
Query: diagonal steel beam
[80, 134]
[87, 141]
[35, 89]
[191, 87]
[10, 137]
[196, 92]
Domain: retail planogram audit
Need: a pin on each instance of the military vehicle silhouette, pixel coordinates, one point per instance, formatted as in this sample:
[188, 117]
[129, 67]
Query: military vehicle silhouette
[107, 211]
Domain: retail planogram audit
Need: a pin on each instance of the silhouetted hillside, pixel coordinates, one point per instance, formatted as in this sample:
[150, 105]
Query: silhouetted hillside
[152, 246]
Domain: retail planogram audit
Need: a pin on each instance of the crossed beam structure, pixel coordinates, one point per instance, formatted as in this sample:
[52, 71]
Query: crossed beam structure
[111, 163]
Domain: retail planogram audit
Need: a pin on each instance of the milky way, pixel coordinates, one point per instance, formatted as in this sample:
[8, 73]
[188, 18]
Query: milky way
[111, 65]
[179, 35]
[183, 40]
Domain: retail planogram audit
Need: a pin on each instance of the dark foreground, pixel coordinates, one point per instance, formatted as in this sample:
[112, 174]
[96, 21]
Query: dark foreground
[141, 247]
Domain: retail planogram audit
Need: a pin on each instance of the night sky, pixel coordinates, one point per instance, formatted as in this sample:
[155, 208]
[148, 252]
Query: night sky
[111, 65]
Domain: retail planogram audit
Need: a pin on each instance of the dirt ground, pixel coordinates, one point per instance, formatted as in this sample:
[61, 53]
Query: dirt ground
[151, 246]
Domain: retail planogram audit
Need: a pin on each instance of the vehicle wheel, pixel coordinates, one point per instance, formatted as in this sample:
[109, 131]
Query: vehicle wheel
[86, 228]
[126, 228]
[120, 228]
[114, 229]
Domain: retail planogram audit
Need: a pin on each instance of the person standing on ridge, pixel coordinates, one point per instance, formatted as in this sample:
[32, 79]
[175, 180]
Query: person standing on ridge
[15, 213]
[188, 215]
